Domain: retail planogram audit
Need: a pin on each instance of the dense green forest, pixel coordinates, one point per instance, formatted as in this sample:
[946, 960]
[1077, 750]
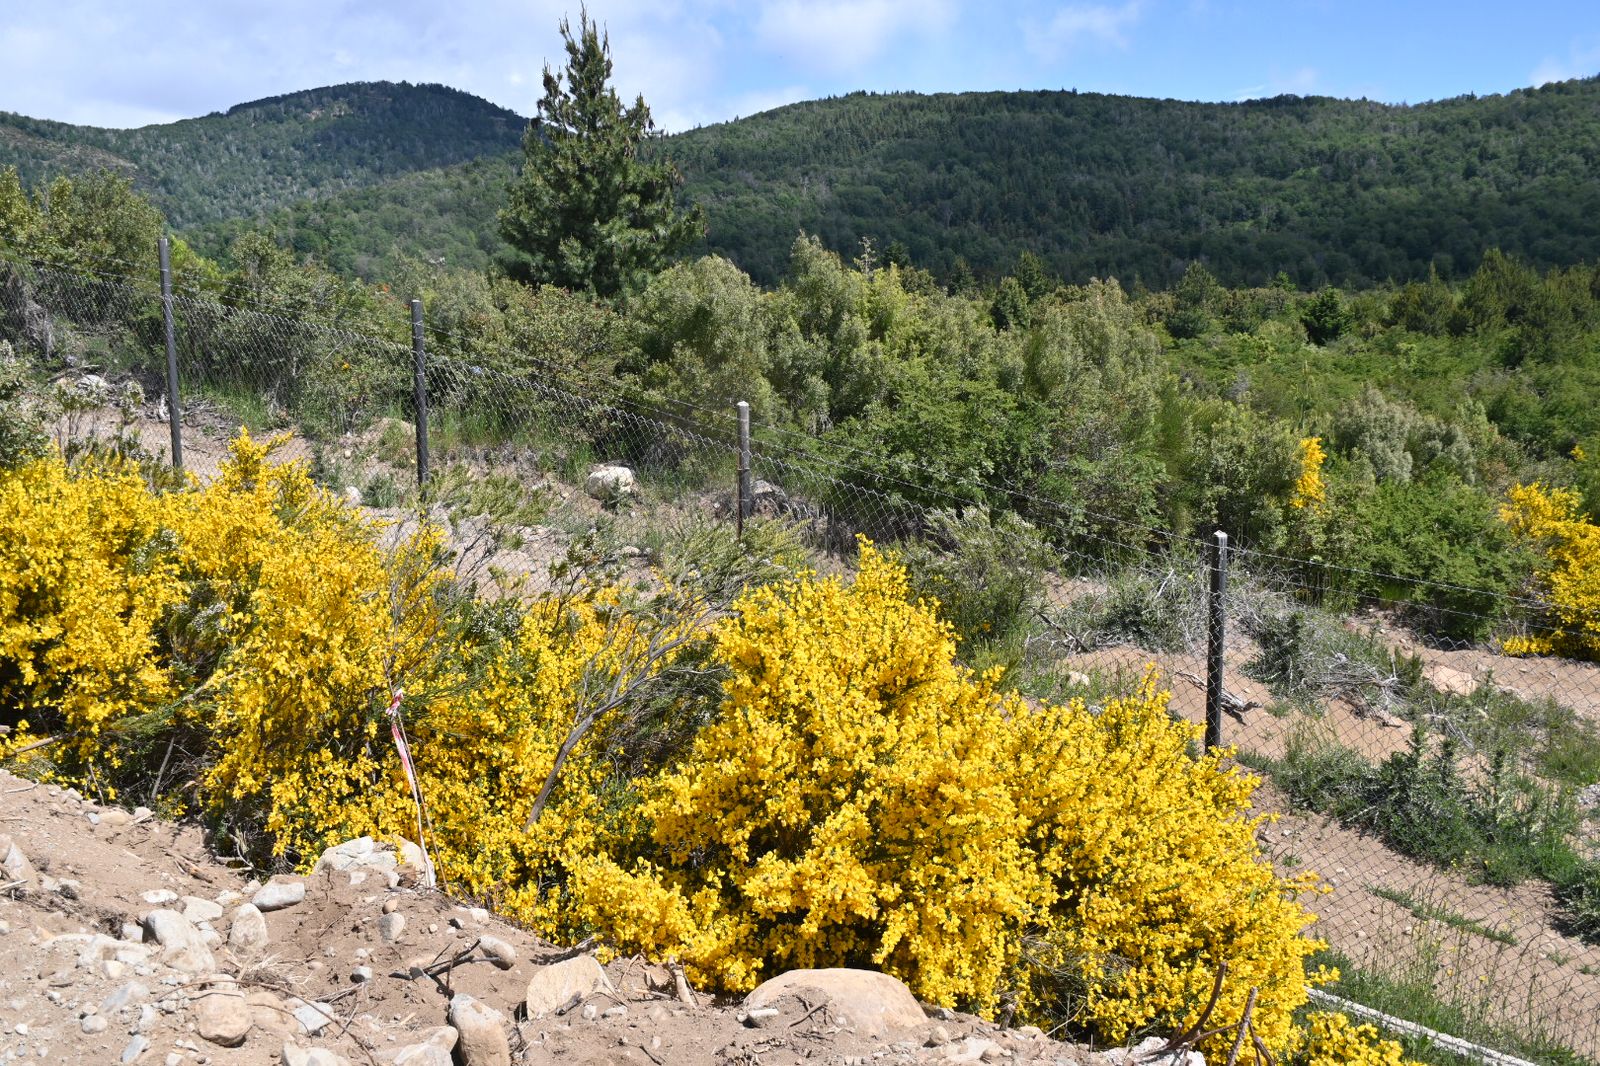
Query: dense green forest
[1325, 191]
[272, 153]
[1114, 418]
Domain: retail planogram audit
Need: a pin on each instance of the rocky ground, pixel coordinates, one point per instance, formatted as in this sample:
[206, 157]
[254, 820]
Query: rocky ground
[122, 940]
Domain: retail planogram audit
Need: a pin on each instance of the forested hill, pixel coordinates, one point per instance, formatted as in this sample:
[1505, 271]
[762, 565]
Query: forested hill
[1349, 192]
[1326, 190]
[270, 153]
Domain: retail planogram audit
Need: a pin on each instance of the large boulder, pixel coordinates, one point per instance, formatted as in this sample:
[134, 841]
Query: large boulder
[873, 1003]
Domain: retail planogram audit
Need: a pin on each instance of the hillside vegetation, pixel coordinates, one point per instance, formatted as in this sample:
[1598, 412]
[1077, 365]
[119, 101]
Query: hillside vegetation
[1348, 192]
[270, 153]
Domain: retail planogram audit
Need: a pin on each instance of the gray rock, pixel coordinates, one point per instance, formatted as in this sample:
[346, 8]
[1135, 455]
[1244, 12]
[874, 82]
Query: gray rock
[248, 933]
[312, 1017]
[362, 852]
[159, 897]
[502, 953]
[874, 1002]
[482, 1033]
[94, 1024]
[129, 994]
[554, 986]
[14, 865]
[222, 1015]
[182, 946]
[295, 1055]
[361, 974]
[199, 910]
[276, 895]
[136, 1047]
[1148, 1052]
[391, 927]
[610, 482]
[433, 1050]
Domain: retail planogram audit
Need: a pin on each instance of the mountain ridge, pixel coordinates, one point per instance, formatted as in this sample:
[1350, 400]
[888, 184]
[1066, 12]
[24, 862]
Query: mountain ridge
[1321, 189]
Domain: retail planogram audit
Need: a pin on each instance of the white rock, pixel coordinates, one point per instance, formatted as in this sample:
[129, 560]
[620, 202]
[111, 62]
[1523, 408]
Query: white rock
[14, 865]
[182, 946]
[222, 1015]
[201, 910]
[313, 1017]
[482, 1032]
[552, 987]
[248, 934]
[276, 895]
[159, 897]
[295, 1055]
[875, 1002]
[1148, 1052]
[136, 1047]
[503, 954]
[610, 482]
[433, 1050]
[391, 927]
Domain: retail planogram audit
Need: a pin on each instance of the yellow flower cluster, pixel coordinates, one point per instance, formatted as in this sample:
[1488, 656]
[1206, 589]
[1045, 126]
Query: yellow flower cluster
[863, 800]
[1331, 1039]
[83, 584]
[1310, 491]
[1568, 545]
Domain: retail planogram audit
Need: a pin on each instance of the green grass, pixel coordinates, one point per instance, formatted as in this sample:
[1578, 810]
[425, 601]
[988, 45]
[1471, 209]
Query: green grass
[1413, 994]
[1429, 911]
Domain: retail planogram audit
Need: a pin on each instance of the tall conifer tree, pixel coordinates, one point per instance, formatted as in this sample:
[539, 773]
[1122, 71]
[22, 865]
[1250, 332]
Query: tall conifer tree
[586, 213]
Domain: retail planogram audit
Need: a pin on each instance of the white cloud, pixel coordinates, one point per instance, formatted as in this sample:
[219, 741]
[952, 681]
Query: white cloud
[1581, 61]
[1077, 24]
[840, 36]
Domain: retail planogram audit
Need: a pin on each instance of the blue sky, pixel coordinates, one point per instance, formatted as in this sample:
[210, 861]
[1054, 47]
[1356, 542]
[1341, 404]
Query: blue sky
[698, 61]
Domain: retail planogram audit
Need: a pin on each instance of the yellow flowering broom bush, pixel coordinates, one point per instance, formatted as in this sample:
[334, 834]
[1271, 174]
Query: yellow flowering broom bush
[863, 800]
[84, 582]
[1551, 520]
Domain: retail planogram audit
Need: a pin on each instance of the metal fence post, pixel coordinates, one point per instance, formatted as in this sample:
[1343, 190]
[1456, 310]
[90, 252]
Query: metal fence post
[1214, 644]
[174, 402]
[421, 375]
[744, 501]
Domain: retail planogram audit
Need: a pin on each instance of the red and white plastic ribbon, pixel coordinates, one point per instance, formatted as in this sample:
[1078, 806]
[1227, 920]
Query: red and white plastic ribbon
[397, 729]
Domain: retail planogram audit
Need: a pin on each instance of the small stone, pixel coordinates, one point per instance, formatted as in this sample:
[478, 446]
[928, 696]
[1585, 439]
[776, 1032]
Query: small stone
[94, 1024]
[502, 953]
[482, 1033]
[129, 994]
[391, 926]
[136, 1047]
[173, 1059]
[248, 934]
[276, 895]
[939, 1037]
[14, 865]
[361, 974]
[391, 905]
[590, 1012]
[133, 932]
[141, 814]
[199, 910]
[432, 1050]
[159, 897]
[313, 1017]
[619, 1011]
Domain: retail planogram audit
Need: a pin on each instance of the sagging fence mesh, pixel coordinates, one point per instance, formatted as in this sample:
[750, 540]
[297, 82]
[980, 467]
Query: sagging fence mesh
[1444, 790]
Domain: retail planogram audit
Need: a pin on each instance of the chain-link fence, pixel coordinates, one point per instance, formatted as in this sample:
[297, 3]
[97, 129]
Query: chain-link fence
[1443, 790]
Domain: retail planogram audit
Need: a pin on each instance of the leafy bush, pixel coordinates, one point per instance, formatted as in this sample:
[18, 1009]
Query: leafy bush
[863, 800]
[986, 575]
